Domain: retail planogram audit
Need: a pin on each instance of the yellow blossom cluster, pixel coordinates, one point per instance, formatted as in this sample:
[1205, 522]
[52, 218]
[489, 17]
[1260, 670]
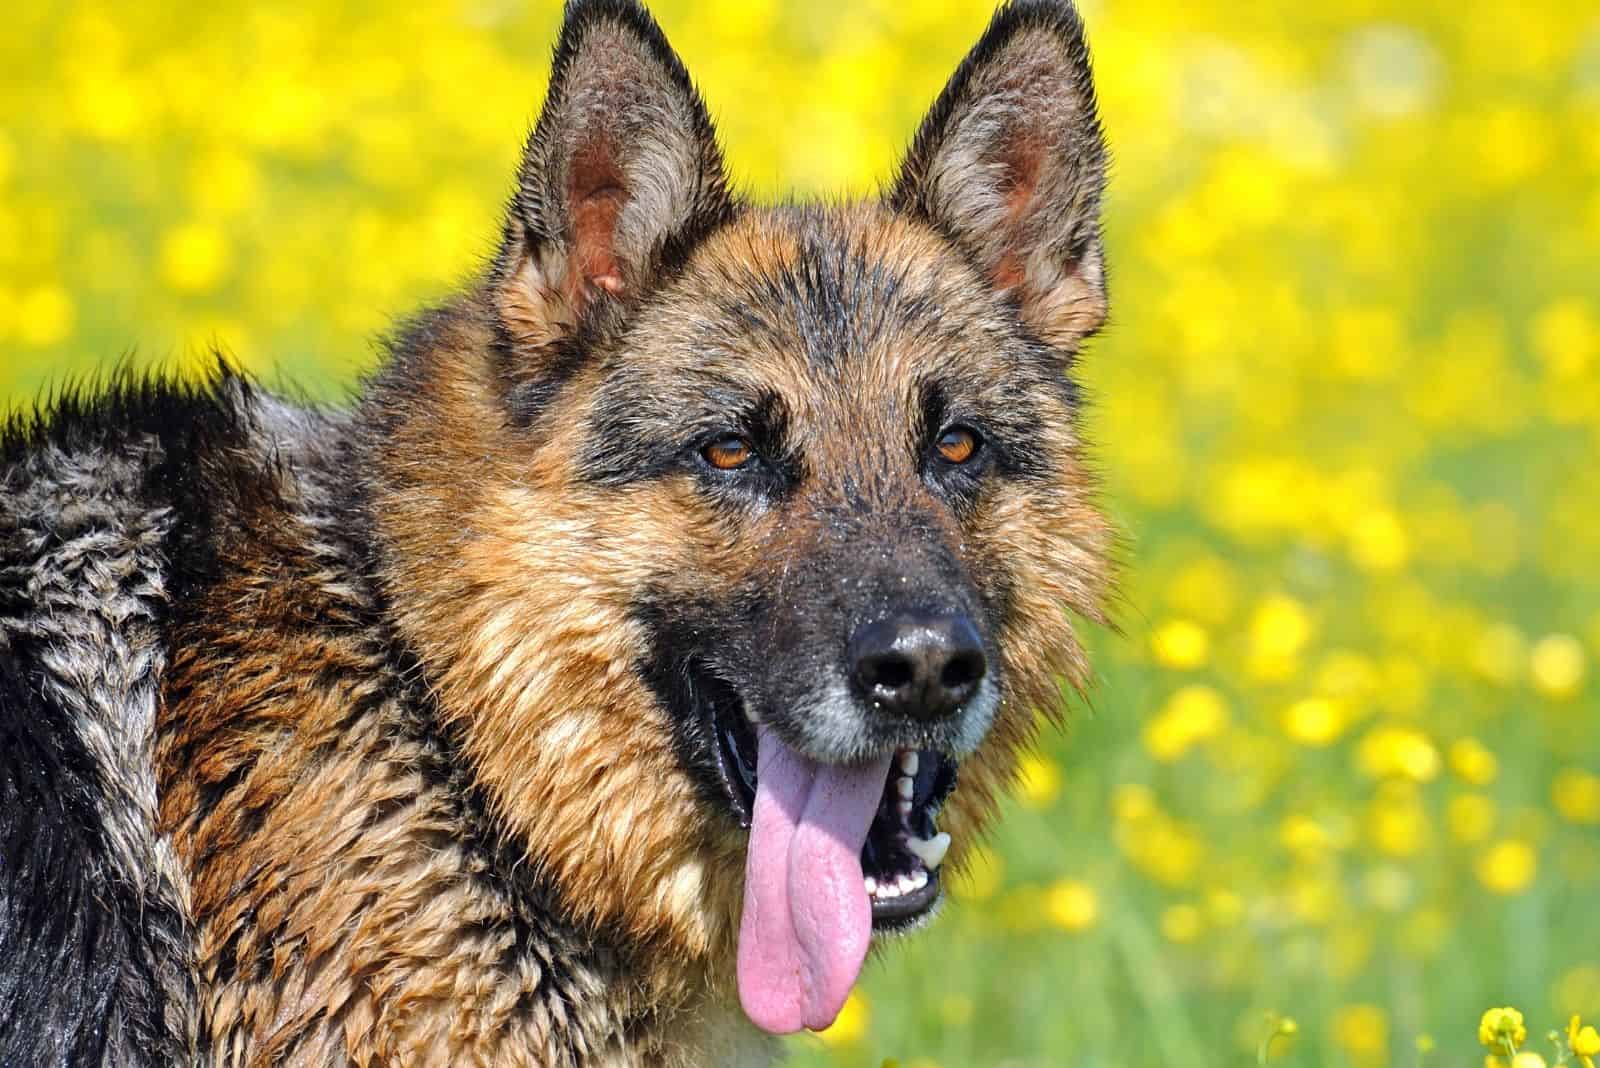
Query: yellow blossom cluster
[1342, 759]
[1503, 1034]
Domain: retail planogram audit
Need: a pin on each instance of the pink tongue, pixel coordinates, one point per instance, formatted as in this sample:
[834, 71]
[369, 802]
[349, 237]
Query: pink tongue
[807, 920]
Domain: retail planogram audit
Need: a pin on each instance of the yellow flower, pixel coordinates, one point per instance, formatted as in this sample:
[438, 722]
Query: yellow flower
[1508, 867]
[1072, 905]
[1576, 794]
[1378, 541]
[1392, 751]
[1194, 714]
[1557, 666]
[45, 316]
[1583, 1041]
[1499, 1025]
[1181, 645]
[1397, 821]
[1315, 721]
[1362, 1031]
[194, 258]
[1038, 781]
[1279, 630]
[1473, 762]
[1566, 338]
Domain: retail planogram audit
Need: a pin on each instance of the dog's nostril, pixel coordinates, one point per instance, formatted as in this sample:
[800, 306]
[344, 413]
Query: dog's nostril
[964, 669]
[889, 672]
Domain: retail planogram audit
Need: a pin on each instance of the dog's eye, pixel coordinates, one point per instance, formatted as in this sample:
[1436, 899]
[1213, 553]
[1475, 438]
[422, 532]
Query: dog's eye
[728, 453]
[958, 444]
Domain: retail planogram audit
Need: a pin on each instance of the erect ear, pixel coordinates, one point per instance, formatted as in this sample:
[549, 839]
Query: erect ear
[1010, 164]
[622, 164]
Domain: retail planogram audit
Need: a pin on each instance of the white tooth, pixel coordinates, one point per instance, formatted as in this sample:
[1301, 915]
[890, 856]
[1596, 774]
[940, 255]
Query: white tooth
[905, 788]
[871, 884]
[919, 879]
[905, 807]
[908, 762]
[886, 890]
[930, 851]
[904, 884]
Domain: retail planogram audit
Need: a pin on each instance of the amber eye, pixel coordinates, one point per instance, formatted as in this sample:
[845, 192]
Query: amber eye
[958, 444]
[728, 453]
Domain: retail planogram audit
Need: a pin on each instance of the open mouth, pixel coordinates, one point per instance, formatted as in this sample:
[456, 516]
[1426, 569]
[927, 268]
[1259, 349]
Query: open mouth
[904, 848]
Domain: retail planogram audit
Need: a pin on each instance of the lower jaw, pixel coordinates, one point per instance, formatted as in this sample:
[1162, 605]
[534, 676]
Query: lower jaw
[907, 910]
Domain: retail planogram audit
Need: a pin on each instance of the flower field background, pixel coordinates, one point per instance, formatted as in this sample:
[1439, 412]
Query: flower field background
[1343, 762]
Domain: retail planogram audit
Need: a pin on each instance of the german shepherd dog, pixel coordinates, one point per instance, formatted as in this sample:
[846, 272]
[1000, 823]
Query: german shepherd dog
[633, 655]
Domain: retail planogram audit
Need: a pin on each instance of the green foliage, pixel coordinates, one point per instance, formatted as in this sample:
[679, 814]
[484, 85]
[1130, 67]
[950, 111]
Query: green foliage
[1341, 765]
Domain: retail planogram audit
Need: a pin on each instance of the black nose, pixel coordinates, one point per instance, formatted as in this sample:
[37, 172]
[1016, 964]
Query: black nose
[918, 666]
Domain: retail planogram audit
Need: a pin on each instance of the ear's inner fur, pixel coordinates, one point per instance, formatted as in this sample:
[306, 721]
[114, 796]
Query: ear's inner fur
[598, 197]
[1021, 162]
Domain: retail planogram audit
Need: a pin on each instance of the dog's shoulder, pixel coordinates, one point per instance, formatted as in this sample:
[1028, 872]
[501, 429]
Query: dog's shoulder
[107, 498]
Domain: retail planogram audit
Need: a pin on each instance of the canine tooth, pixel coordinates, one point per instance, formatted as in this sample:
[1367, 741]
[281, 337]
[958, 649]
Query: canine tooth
[919, 879]
[904, 884]
[871, 884]
[930, 851]
[908, 762]
[905, 787]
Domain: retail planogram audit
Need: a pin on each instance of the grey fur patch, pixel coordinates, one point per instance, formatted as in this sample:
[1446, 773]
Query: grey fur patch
[87, 553]
[829, 721]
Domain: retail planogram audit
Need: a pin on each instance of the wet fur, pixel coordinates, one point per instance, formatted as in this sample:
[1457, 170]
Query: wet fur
[349, 737]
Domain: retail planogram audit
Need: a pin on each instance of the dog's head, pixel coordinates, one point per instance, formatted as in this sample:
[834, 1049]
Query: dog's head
[743, 543]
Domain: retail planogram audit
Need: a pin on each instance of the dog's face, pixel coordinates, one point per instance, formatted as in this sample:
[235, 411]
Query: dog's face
[773, 553]
[873, 459]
